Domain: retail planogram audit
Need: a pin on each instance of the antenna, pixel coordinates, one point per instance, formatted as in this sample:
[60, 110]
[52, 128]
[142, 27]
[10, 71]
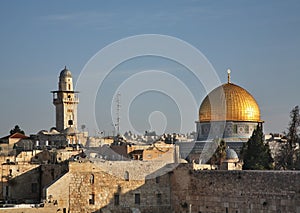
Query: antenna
[118, 100]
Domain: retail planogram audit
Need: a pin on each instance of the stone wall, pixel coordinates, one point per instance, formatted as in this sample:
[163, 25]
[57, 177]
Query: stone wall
[235, 191]
[88, 187]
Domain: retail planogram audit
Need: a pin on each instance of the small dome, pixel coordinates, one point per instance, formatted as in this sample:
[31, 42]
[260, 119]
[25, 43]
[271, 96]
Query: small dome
[231, 154]
[230, 103]
[42, 132]
[65, 73]
[53, 130]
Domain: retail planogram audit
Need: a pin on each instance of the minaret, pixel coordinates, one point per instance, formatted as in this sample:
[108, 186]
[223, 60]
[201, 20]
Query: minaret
[65, 100]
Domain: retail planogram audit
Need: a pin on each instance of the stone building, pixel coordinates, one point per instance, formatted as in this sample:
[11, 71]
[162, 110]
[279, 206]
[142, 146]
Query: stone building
[7, 143]
[22, 183]
[158, 151]
[87, 187]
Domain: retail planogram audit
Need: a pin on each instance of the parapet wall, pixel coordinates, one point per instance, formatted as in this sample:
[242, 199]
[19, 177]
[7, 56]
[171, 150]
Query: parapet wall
[235, 191]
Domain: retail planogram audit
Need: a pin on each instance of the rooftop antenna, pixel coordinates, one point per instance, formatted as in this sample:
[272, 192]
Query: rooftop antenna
[118, 112]
[228, 76]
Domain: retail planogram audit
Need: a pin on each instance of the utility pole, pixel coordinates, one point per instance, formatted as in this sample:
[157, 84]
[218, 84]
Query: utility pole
[118, 100]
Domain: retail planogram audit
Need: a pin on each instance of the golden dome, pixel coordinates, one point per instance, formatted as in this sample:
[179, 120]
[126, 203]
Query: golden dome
[238, 104]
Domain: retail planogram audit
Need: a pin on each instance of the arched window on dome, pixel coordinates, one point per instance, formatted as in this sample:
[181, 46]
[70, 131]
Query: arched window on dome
[92, 179]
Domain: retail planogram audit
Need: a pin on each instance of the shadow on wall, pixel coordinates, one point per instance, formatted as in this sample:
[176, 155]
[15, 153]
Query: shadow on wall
[21, 187]
[23, 183]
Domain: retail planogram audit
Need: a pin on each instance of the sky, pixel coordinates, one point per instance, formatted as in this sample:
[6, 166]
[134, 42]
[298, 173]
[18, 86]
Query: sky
[258, 40]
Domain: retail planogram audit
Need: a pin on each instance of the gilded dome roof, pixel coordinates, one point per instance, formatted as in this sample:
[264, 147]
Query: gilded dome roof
[65, 73]
[231, 103]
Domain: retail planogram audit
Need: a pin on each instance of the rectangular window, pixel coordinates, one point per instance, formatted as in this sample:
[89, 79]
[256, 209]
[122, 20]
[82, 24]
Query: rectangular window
[157, 179]
[137, 199]
[116, 199]
[235, 129]
[246, 129]
[6, 191]
[92, 199]
[158, 199]
[34, 187]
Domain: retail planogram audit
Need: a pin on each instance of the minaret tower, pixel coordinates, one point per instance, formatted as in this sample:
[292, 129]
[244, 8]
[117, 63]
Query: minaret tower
[65, 100]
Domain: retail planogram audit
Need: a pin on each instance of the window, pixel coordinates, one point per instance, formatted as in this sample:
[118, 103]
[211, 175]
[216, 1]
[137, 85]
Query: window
[158, 199]
[34, 187]
[52, 173]
[6, 191]
[246, 129]
[92, 179]
[137, 199]
[126, 176]
[235, 129]
[116, 199]
[92, 199]
[157, 179]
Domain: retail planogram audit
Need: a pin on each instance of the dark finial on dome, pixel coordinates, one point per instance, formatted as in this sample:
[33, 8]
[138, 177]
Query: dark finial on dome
[65, 67]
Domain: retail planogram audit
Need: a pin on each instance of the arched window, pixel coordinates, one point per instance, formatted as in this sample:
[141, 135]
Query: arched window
[126, 176]
[92, 179]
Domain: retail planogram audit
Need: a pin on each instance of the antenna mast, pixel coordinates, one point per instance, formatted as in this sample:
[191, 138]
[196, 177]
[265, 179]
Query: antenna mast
[118, 112]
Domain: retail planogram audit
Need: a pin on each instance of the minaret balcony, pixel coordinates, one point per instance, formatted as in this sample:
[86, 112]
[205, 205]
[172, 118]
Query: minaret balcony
[66, 100]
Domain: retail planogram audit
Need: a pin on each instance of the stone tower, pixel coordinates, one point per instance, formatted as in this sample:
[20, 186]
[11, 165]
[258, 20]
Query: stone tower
[65, 100]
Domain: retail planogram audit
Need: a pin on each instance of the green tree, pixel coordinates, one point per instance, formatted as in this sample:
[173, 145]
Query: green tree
[16, 129]
[289, 155]
[220, 153]
[256, 153]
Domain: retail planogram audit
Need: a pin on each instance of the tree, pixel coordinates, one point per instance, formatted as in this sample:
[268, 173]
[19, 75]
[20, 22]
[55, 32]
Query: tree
[16, 129]
[256, 153]
[288, 157]
[220, 153]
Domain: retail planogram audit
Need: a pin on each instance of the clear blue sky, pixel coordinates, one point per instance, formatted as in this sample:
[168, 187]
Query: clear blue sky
[258, 40]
